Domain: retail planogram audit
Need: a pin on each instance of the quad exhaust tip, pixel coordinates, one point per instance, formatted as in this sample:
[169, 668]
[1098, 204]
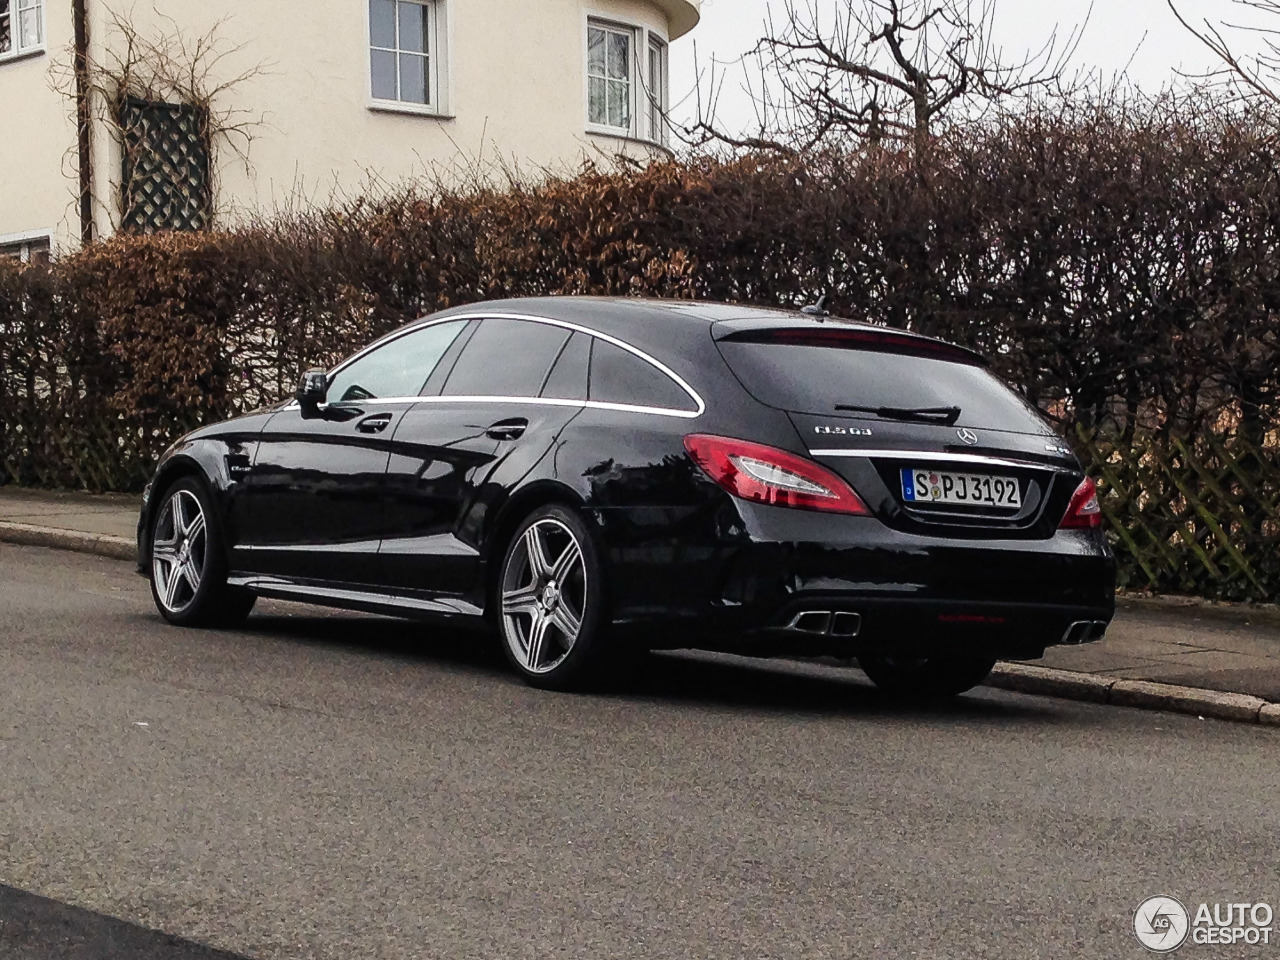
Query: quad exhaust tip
[1085, 631]
[828, 623]
[842, 623]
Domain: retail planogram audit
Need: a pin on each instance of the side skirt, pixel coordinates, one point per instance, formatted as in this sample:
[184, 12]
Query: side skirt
[396, 605]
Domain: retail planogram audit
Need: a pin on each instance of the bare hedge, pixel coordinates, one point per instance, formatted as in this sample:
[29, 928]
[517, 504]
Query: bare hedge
[1121, 268]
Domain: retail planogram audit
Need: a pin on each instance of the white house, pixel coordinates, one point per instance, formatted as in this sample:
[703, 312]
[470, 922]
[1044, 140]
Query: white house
[338, 94]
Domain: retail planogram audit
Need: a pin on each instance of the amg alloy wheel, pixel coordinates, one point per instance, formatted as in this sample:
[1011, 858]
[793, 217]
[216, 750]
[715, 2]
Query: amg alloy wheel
[925, 677]
[179, 552]
[188, 566]
[549, 595]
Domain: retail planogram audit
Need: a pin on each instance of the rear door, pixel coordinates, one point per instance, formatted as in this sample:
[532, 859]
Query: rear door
[481, 428]
[925, 433]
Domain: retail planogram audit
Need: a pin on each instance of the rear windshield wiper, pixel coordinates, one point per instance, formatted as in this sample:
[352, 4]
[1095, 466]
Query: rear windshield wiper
[947, 416]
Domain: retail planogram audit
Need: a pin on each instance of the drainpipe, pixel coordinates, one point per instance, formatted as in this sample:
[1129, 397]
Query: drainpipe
[83, 119]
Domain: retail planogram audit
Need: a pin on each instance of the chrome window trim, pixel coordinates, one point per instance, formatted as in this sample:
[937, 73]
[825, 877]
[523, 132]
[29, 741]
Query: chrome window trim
[540, 401]
[937, 455]
[551, 321]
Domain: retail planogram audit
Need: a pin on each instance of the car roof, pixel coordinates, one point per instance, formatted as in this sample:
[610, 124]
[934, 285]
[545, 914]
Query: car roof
[604, 312]
[600, 310]
[653, 322]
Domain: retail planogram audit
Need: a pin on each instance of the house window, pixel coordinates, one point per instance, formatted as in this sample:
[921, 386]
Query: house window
[626, 81]
[609, 76]
[404, 51]
[28, 250]
[657, 91]
[21, 27]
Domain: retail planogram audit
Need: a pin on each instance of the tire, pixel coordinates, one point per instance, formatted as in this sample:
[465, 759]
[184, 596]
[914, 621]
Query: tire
[927, 678]
[188, 565]
[550, 602]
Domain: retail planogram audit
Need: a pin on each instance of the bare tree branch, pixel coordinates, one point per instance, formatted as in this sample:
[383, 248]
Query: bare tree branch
[1252, 77]
[876, 70]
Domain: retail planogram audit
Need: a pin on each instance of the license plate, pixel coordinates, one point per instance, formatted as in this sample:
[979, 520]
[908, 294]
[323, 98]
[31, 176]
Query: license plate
[960, 489]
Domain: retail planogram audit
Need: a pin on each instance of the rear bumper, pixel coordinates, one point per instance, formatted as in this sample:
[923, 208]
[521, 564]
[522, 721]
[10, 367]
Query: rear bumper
[740, 582]
[921, 627]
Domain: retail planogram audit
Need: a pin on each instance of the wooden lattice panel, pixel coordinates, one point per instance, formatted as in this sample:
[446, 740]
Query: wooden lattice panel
[166, 178]
[1198, 515]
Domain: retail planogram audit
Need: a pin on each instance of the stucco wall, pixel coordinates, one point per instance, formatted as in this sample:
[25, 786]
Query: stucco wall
[517, 96]
[37, 139]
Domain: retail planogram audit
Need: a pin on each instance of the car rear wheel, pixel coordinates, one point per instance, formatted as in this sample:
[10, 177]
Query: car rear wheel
[188, 570]
[550, 597]
[925, 677]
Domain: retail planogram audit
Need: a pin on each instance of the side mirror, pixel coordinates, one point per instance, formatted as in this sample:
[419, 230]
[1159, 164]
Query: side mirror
[313, 390]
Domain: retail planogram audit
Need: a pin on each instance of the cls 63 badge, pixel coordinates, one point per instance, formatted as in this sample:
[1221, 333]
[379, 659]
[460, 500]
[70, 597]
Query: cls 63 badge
[843, 431]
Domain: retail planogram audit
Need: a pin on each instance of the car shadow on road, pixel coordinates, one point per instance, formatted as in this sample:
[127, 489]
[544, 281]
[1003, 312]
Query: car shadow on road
[383, 636]
[688, 677]
[805, 687]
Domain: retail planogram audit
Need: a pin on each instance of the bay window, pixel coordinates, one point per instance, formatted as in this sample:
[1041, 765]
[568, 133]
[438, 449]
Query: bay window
[609, 76]
[626, 81]
[656, 92]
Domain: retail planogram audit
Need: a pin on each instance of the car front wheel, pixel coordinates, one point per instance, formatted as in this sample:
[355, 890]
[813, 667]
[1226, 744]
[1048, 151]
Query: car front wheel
[550, 596]
[925, 677]
[188, 568]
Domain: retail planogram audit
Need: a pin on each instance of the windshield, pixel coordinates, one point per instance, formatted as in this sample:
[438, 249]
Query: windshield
[829, 380]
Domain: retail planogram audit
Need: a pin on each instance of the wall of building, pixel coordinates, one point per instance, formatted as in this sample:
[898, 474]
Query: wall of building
[38, 139]
[516, 81]
[516, 96]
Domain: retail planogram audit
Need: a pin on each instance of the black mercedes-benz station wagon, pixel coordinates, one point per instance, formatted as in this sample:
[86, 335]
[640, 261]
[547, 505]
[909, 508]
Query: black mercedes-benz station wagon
[592, 476]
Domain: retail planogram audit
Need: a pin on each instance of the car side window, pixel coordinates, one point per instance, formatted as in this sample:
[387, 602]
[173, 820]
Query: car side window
[398, 368]
[506, 358]
[619, 376]
[568, 377]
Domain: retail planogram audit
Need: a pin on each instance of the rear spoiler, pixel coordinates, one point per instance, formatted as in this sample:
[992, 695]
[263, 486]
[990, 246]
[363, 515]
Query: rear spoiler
[842, 337]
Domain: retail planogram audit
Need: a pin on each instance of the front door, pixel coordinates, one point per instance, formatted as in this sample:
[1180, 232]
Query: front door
[315, 494]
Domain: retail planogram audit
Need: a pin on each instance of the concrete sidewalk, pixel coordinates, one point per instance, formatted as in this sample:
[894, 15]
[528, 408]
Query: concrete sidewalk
[102, 524]
[1234, 649]
[111, 515]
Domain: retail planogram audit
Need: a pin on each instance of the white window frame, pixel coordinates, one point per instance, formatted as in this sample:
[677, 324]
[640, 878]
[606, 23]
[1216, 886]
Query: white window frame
[639, 101]
[16, 49]
[632, 33]
[21, 246]
[438, 44]
[657, 90]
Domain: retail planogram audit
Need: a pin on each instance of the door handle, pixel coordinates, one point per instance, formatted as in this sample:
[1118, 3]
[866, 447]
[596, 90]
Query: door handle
[512, 429]
[374, 424]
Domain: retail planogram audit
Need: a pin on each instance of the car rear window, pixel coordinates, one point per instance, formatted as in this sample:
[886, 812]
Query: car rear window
[619, 376]
[806, 378]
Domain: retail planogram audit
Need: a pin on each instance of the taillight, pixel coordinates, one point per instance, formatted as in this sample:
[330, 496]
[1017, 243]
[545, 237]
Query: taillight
[1084, 512]
[753, 471]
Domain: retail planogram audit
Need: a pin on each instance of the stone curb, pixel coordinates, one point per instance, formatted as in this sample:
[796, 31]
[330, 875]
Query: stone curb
[1143, 694]
[32, 535]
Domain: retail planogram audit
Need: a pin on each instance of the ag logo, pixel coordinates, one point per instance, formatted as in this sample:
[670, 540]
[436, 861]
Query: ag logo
[967, 435]
[1161, 924]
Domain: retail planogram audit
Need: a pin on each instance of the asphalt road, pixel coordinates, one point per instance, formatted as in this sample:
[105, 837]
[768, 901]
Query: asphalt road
[329, 785]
